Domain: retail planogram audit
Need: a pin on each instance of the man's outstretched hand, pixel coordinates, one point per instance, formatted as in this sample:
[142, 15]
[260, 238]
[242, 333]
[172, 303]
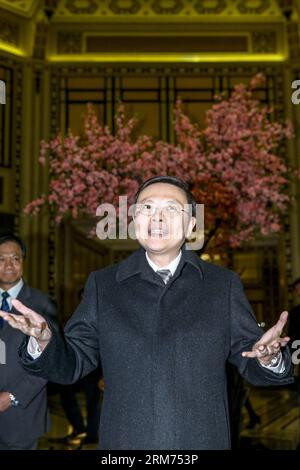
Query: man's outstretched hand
[30, 323]
[270, 343]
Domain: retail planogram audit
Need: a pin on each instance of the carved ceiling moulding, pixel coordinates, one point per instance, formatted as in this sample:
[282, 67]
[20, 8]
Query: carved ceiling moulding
[166, 7]
[82, 8]
[162, 7]
[204, 7]
[119, 7]
[250, 7]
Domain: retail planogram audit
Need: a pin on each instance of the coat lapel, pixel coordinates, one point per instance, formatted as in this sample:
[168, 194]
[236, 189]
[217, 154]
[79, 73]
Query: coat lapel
[137, 264]
[23, 296]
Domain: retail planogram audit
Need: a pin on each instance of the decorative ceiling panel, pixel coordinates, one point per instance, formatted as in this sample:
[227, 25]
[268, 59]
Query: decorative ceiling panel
[193, 9]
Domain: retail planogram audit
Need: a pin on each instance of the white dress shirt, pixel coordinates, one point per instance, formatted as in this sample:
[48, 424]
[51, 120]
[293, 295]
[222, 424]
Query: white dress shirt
[172, 266]
[13, 292]
[32, 347]
[34, 350]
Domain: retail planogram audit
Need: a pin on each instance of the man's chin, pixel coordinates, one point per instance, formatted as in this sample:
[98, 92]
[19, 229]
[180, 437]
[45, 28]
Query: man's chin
[9, 280]
[155, 244]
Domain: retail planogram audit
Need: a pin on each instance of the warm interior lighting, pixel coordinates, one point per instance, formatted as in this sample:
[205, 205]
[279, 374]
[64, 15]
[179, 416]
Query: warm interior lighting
[107, 57]
[11, 49]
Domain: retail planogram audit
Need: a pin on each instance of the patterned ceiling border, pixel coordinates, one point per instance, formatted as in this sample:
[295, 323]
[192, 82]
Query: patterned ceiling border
[159, 8]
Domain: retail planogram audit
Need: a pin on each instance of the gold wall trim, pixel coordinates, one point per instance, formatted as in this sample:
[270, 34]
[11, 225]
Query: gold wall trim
[166, 58]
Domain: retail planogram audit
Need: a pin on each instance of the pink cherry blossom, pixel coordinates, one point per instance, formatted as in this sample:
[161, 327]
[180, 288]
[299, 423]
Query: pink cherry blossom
[234, 166]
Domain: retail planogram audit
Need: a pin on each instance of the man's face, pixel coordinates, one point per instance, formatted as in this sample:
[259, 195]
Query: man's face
[11, 264]
[164, 231]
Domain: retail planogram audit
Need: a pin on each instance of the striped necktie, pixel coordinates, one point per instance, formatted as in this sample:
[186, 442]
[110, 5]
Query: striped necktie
[4, 306]
[165, 274]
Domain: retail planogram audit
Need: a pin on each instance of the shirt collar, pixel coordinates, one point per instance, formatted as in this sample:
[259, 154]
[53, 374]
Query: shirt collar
[171, 266]
[15, 290]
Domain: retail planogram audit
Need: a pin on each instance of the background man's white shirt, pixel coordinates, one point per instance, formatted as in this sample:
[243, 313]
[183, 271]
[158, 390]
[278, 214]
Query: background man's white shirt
[13, 292]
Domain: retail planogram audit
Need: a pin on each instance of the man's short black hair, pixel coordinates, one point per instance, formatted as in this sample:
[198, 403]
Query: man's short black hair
[9, 237]
[296, 282]
[169, 180]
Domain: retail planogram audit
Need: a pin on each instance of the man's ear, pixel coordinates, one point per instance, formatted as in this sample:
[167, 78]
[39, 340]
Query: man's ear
[191, 225]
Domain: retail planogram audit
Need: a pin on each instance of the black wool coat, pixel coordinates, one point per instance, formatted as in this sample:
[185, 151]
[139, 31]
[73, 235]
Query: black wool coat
[163, 350]
[30, 420]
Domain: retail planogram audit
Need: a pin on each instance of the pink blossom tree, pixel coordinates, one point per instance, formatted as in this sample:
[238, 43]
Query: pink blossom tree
[241, 178]
[233, 166]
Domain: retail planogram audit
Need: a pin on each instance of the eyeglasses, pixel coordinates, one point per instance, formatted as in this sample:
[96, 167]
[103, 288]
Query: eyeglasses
[169, 210]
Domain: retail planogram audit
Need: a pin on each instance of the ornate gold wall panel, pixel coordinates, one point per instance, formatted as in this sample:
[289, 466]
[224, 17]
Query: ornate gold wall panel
[6, 74]
[11, 137]
[293, 229]
[149, 92]
[158, 42]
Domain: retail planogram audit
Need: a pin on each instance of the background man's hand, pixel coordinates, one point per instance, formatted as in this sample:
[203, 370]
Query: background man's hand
[5, 401]
[270, 343]
[30, 323]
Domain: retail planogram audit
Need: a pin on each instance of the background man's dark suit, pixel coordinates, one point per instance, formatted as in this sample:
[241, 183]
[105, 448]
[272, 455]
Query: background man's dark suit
[294, 324]
[294, 333]
[28, 421]
[163, 350]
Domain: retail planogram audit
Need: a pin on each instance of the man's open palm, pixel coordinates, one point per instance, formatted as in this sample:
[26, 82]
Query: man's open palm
[30, 323]
[270, 343]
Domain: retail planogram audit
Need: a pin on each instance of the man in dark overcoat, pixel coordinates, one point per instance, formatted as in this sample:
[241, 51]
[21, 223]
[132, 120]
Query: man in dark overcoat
[163, 323]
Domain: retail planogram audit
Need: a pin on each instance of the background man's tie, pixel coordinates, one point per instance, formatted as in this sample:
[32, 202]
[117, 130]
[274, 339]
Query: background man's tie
[165, 274]
[4, 306]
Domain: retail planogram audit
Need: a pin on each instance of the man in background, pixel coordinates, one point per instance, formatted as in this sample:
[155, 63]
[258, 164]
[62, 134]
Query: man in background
[23, 399]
